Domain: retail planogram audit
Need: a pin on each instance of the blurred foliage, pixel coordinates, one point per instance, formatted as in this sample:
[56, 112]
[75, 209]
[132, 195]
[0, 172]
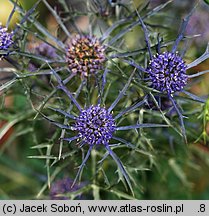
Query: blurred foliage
[5, 10]
[206, 1]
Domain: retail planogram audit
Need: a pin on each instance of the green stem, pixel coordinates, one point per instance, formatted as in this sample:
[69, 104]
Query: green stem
[95, 188]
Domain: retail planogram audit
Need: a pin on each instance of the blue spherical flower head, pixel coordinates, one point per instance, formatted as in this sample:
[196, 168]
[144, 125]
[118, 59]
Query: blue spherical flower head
[5, 38]
[167, 72]
[95, 125]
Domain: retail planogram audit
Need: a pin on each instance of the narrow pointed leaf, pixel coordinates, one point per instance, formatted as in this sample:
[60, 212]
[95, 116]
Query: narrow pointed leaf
[198, 73]
[57, 17]
[82, 165]
[146, 35]
[123, 32]
[128, 144]
[148, 125]
[199, 60]
[40, 27]
[112, 28]
[66, 114]
[181, 118]
[131, 108]
[120, 166]
[182, 30]
[57, 123]
[156, 9]
[132, 63]
[26, 16]
[71, 138]
[194, 97]
[121, 94]
[63, 87]
[11, 15]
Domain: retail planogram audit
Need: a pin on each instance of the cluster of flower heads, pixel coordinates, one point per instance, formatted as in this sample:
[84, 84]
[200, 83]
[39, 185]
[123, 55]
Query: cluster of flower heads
[5, 38]
[167, 72]
[95, 125]
[62, 186]
[85, 55]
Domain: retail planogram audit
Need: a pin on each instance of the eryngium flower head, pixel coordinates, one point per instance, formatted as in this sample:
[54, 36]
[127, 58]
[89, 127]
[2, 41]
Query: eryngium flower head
[62, 186]
[85, 55]
[95, 125]
[5, 38]
[167, 72]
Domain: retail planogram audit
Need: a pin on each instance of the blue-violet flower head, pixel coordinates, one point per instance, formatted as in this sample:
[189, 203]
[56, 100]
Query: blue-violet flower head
[85, 55]
[95, 125]
[167, 72]
[5, 38]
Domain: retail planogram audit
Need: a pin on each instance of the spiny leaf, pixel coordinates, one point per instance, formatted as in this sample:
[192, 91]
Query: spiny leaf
[57, 17]
[199, 60]
[148, 125]
[121, 94]
[121, 168]
[121, 194]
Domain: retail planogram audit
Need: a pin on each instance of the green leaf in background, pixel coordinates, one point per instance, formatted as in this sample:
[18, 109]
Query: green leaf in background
[206, 1]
